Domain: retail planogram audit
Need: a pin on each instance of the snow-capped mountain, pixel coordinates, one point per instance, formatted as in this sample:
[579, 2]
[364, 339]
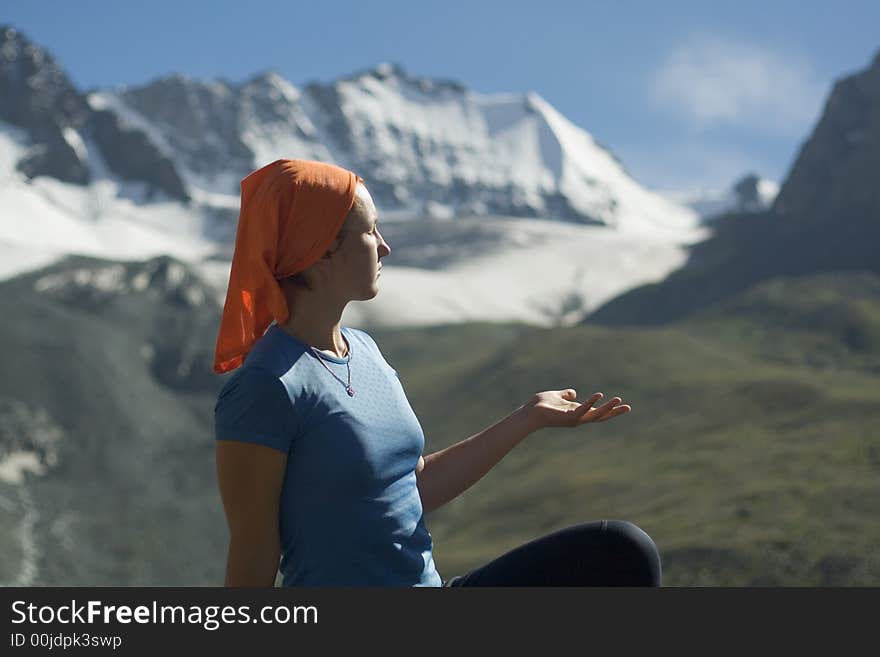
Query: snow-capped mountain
[426, 147]
[750, 193]
[155, 170]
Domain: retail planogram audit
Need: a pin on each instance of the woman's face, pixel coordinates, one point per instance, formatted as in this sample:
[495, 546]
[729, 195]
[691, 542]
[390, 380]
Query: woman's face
[357, 259]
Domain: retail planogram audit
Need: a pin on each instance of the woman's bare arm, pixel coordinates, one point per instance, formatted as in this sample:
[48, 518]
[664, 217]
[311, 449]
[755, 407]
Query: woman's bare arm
[250, 477]
[451, 471]
[444, 475]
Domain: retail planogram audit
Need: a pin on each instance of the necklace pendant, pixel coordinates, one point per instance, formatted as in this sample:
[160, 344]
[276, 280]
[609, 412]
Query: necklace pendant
[350, 391]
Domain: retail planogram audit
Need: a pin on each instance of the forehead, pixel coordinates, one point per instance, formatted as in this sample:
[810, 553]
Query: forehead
[365, 211]
[364, 197]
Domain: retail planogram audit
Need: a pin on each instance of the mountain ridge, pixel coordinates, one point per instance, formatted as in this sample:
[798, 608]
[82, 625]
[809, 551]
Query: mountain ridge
[427, 145]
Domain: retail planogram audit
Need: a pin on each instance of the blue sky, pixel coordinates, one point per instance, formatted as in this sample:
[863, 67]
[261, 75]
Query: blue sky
[688, 95]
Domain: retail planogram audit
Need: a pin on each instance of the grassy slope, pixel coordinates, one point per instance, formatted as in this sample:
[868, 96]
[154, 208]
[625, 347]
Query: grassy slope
[751, 456]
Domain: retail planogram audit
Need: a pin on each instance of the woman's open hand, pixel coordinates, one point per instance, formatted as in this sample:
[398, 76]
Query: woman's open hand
[560, 408]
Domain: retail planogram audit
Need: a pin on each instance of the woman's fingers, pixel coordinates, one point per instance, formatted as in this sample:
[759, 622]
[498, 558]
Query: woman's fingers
[618, 410]
[597, 414]
[608, 406]
[612, 408]
[584, 408]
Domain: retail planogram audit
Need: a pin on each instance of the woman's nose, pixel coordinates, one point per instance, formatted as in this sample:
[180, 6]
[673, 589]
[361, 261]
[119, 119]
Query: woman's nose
[384, 245]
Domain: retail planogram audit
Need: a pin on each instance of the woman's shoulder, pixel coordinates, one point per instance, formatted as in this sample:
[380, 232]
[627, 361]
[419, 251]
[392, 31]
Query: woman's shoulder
[249, 377]
[367, 340]
[363, 336]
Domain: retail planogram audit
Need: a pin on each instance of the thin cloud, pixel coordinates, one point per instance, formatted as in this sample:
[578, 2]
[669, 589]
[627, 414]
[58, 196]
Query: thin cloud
[711, 80]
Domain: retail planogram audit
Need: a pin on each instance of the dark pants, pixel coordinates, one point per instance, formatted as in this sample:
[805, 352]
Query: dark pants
[599, 553]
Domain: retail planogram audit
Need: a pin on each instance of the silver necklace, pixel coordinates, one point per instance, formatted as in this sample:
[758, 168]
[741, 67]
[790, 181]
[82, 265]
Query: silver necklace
[348, 387]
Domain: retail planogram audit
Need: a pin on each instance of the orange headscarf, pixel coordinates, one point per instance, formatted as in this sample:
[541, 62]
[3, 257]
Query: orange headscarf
[291, 210]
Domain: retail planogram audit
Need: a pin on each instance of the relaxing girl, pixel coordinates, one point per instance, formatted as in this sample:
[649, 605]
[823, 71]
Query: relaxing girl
[319, 454]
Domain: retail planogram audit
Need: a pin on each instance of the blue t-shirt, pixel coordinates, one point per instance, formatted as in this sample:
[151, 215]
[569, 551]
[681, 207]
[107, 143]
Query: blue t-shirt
[350, 512]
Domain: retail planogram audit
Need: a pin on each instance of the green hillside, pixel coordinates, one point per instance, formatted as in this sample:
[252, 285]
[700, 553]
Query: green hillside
[751, 455]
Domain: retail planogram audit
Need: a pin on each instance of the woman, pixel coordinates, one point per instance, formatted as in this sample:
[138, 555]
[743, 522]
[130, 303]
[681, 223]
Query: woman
[318, 450]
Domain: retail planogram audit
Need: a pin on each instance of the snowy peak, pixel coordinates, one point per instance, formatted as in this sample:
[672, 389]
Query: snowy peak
[754, 194]
[195, 120]
[217, 132]
[34, 86]
[427, 147]
[750, 193]
[37, 96]
[437, 149]
[394, 74]
[270, 86]
[70, 140]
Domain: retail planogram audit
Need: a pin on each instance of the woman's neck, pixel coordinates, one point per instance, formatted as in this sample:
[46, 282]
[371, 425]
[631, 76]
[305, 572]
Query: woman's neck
[315, 319]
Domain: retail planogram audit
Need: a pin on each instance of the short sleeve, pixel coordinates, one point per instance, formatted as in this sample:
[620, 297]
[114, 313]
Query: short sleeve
[254, 407]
